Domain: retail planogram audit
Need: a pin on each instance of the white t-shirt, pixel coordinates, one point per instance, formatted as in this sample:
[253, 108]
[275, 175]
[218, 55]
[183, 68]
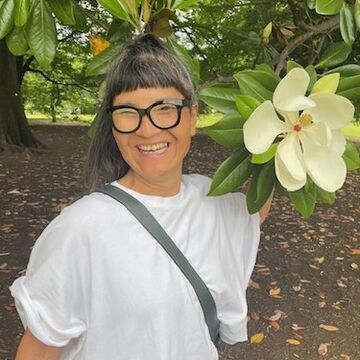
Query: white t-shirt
[99, 285]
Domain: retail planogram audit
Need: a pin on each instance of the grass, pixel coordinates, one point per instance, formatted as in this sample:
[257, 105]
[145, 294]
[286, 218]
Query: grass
[85, 118]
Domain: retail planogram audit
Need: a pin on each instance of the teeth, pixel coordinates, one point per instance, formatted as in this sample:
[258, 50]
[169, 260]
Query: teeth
[153, 147]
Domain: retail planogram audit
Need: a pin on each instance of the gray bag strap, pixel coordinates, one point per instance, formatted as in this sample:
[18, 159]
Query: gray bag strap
[142, 214]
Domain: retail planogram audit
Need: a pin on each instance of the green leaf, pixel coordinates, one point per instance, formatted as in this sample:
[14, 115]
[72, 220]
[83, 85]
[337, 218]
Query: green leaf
[16, 42]
[246, 105]
[265, 156]
[328, 7]
[7, 13]
[304, 201]
[347, 24]
[184, 4]
[116, 8]
[349, 87]
[351, 156]
[80, 18]
[313, 75]
[100, 63]
[334, 55]
[219, 98]
[357, 14]
[41, 33]
[346, 70]
[256, 84]
[64, 11]
[192, 63]
[325, 196]
[22, 12]
[231, 174]
[261, 185]
[267, 68]
[292, 65]
[228, 122]
[230, 138]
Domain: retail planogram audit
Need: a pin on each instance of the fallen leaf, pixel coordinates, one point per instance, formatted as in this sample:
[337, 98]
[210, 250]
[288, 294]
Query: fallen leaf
[293, 342]
[275, 325]
[320, 260]
[323, 349]
[274, 292]
[253, 284]
[257, 338]
[275, 317]
[355, 251]
[255, 316]
[328, 327]
[354, 266]
[345, 357]
[322, 304]
[296, 327]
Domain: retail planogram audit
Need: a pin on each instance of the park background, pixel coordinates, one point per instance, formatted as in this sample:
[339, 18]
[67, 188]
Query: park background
[305, 288]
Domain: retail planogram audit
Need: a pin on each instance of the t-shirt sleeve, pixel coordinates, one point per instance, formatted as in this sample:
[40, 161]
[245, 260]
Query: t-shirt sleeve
[242, 241]
[50, 298]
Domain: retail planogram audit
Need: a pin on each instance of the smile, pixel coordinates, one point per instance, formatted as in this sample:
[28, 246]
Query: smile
[153, 148]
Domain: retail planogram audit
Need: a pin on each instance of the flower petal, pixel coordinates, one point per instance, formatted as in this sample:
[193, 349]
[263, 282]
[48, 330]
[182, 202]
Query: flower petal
[318, 133]
[338, 142]
[334, 110]
[289, 166]
[262, 127]
[289, 95]
[326, 168]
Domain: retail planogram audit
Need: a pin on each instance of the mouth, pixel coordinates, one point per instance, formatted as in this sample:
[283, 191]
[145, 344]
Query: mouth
[157, 148]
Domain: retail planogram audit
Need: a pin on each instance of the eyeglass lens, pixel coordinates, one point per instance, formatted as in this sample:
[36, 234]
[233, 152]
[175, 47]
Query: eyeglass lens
[162, 115]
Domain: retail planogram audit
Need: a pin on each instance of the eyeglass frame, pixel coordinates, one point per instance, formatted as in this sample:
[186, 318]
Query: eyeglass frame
[179, 104]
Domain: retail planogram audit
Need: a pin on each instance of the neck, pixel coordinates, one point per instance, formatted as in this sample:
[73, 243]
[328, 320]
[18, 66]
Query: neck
[157, 187]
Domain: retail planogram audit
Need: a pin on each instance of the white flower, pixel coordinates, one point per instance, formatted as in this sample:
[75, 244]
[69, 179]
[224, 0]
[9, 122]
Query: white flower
[311, 129]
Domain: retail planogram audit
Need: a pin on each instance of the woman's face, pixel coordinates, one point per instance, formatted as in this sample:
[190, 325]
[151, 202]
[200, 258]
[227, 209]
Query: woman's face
[155, 156]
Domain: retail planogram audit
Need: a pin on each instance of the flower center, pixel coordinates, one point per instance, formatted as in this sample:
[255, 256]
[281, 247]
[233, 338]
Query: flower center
[304, 120]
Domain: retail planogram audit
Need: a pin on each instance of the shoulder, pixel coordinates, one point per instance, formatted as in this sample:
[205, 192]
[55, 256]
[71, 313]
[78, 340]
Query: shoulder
[197, 183]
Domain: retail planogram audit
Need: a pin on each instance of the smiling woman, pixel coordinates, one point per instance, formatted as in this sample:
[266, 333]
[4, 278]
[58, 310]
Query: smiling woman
[99, 284]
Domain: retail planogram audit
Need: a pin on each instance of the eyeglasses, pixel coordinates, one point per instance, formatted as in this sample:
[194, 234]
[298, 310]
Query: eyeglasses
[164, 114]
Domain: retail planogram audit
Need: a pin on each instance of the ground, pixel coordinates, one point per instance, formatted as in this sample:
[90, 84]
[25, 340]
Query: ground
[310, 266]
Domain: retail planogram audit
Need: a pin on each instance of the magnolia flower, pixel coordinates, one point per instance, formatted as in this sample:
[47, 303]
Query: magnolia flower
[309, 128]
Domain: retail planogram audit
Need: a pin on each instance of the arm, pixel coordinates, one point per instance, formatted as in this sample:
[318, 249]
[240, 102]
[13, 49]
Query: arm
[31, 348]
[264, 211]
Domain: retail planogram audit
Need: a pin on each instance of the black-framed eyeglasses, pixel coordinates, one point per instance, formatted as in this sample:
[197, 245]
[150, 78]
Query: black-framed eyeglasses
[164, 114]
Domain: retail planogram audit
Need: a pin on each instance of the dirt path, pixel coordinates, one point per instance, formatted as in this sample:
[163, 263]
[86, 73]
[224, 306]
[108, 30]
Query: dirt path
[312, 262]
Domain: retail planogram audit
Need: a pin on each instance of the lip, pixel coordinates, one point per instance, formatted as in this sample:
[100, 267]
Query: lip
[153, 153]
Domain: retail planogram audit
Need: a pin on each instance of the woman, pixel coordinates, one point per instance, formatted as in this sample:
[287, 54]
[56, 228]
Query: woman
[98, 286]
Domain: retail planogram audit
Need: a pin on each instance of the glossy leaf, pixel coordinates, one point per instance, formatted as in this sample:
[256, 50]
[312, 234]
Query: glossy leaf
[63, 10]
[292, 65]
[230, 138]
[250, 85]
[41, 33]
[16, 42]
[346, 70]
[232, 173]
[347, 24]
[311, 4]
[261, 185]
[22, 12]
[313, 75]
[184, 4]
[325, 196]
[228, 122]
[80, 18]
[115, 7]
[266, 156]
[220, 98]
[351, 156]
[100, 63]
[7, 14]
[350, 82]
[357, 14]
[267, 68]
[246, 105]
[304, 201]
[334, 55]
[328, 7]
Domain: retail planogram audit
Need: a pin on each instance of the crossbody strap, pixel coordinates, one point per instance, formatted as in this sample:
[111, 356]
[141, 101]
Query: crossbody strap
[142, 214]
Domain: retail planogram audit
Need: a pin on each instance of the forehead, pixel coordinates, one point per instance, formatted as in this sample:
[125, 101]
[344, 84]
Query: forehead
[143, 97]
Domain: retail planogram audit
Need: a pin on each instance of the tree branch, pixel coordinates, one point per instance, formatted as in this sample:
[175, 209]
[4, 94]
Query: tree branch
[325, 27]
[48, 78]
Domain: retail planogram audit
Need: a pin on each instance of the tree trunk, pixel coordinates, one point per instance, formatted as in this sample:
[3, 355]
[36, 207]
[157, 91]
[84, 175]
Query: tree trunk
[14, 128]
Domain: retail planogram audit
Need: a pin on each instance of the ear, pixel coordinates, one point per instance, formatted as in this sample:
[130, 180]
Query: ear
[193, 117]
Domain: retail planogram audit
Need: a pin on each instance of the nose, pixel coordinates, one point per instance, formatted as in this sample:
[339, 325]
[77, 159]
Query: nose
[147, 129]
